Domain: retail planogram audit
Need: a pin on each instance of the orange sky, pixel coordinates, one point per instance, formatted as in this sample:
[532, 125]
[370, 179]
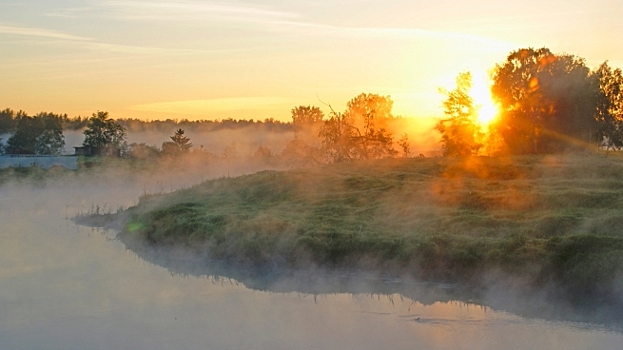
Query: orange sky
[258, 59]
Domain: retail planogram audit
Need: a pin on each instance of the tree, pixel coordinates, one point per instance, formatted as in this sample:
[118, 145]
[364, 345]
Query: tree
[368, 114]
[103, 132]
[142, 151]
[305, 115]
[337, 136]
[404, 144]
[609, 105]
[298, 154]
[359, 132]
[306, 122]
[180, 142]
[7, 121]
[41, 134]
[546, 101]
[459, 131]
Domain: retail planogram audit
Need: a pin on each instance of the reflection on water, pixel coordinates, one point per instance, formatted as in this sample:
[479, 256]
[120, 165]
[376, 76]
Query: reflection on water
[64, 286]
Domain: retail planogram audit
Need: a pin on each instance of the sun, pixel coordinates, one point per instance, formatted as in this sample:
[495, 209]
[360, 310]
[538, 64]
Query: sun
[486, 109]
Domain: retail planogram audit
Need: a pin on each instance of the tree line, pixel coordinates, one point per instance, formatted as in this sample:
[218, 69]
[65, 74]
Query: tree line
[547, 103]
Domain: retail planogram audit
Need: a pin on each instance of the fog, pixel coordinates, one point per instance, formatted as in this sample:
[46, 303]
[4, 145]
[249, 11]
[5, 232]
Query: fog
[67, 286]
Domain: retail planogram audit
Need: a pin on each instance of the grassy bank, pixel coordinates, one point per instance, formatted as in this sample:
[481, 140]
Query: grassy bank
[545, 220]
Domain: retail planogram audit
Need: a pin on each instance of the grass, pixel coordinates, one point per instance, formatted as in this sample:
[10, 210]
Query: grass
[549, 220]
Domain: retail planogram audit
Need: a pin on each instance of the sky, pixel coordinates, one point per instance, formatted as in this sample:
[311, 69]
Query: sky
[198, 59]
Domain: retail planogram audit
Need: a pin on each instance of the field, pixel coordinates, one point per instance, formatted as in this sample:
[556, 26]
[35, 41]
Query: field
[537, 221]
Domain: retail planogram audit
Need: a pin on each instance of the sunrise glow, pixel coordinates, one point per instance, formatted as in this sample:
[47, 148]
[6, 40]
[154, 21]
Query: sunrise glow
[486, 109]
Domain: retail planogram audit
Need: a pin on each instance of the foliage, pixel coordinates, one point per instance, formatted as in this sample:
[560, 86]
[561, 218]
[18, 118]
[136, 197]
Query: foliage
[404, 144]
[609, 105]
[547, 102]
[8, 121]
[305, 116]
[459, 130]
[359, 132]
[142, 151]
[178, 144]
[337, 136]
[297, 154]
[41, 134]
[182, 142]
[104, 132]
[368, 114]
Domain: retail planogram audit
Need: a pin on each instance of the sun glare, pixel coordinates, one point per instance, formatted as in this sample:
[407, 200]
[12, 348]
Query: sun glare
[481, 93]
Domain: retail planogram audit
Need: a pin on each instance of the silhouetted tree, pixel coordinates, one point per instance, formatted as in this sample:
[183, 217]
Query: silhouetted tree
[404, 144]
[41, 134]
[459, 131]
[546, 100]
[7, 121]
[103, 132]
[182, 142]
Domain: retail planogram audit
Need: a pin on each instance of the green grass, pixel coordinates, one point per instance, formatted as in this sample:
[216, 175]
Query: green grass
[546, 219]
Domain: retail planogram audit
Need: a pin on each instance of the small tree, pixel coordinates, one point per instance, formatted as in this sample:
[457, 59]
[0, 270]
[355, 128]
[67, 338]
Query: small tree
[404, 144]
[182, 142]
[178, 144]
[459, 131]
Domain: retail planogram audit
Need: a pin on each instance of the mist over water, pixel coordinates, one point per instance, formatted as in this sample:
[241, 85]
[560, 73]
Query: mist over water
[65, 286]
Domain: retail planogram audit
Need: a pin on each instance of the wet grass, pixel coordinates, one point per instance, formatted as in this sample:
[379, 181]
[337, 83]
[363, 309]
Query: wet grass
[546, 219]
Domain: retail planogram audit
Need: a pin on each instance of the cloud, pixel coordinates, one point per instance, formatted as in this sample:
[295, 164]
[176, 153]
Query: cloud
[191, 10]
[41, 33]
[387, 32]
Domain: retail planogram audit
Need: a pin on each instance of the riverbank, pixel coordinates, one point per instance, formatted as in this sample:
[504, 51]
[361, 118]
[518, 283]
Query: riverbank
[531, 221]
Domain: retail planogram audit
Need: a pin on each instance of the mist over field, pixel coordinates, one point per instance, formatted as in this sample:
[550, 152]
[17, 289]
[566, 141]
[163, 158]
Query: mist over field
[437, 175]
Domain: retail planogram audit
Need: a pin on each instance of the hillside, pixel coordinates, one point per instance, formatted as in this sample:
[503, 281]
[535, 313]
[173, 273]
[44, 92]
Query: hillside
[552, 221]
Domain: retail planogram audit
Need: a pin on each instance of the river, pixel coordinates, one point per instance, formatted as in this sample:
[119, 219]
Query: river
[65, 286]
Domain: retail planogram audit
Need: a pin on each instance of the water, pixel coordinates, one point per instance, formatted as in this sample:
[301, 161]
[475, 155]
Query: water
[64, 286]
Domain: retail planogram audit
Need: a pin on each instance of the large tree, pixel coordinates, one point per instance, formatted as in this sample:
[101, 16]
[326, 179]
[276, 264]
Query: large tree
[104, 132]
[41, 134]
[459, 131]
[546, 101]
